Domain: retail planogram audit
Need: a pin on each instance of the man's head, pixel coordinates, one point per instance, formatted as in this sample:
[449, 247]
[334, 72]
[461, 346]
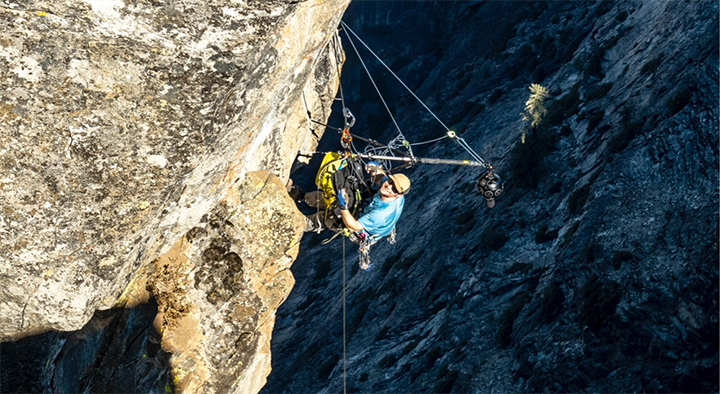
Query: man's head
[399, 183]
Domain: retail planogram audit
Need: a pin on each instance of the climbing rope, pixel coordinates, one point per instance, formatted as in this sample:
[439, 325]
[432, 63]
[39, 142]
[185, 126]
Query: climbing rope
[400, 137]
[393, 74]
[344, 318]
[450, 133]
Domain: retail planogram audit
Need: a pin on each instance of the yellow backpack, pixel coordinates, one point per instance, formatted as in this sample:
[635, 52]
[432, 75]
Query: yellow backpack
[331, 163]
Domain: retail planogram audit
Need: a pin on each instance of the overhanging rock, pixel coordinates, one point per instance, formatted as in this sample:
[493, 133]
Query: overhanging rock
[124, 124]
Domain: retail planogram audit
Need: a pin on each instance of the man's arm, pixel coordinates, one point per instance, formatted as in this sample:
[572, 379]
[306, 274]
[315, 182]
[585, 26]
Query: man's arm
[347, 218]
[350, 222]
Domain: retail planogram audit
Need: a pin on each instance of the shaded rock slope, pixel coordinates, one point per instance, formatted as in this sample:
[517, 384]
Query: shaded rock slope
[596, 271]
[144, 153]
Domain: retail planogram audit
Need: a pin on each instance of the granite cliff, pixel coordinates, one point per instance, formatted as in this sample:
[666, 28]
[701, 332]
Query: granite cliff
[146, 235]
[144, 152]
[597, 270]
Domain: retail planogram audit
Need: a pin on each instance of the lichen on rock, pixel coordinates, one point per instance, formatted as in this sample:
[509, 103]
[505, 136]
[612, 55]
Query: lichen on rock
[125, 123]
[218, 289]
[129, 131]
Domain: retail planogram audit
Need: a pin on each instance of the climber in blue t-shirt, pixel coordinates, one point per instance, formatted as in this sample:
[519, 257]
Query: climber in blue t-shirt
[386, 206]
[380, 215]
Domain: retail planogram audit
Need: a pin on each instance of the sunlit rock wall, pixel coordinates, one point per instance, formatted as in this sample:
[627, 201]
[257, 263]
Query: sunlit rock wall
[124, 123]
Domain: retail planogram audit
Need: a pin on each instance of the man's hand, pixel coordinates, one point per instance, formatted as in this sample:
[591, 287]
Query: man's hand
[341, 200]
[372, 168]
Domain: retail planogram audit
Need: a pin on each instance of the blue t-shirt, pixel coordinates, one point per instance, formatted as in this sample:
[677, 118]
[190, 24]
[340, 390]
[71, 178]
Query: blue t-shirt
[380, 216]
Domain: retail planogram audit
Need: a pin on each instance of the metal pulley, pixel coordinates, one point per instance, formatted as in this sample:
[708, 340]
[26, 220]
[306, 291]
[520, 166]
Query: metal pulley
[349, 118]
[490, 186]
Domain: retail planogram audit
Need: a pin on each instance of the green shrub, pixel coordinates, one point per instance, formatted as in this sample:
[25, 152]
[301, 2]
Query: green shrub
[507, 318]
[599, 302]
[526, 159]
[578, 198]
[619, 257]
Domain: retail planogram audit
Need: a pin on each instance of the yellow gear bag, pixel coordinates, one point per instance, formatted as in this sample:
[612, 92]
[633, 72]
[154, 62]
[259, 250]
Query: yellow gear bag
[332, 162]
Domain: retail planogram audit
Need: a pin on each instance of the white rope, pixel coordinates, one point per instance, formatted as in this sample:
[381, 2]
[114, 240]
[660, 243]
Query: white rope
[373, 82]
[460, 141]
[472, 153]
[428, 142]
[394, 75]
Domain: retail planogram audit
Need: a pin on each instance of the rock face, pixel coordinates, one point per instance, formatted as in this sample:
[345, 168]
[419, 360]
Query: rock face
[132, 134]
[596, 271]
[218, 289]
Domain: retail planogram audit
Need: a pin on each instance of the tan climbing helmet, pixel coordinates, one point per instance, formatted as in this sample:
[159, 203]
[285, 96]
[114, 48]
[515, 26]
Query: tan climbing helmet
[401, 182]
